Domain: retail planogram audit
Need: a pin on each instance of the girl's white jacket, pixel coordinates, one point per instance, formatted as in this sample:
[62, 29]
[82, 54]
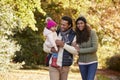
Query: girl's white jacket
[51, 37]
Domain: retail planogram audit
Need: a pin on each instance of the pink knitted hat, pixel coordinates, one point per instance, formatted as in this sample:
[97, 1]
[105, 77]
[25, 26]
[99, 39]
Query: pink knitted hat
[51, 23]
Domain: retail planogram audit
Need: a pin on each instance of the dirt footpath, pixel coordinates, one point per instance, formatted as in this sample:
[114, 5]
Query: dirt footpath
[32, 75]
[44, 75]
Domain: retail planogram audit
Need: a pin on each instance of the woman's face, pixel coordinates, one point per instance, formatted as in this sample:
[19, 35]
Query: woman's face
[80, 25]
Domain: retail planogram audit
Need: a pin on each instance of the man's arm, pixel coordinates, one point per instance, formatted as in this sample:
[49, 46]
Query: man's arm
[67, 47]
[70, 49]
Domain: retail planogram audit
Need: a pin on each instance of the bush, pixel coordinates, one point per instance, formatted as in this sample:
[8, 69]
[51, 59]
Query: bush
[105, 52]
[31, 47]
[114, 62]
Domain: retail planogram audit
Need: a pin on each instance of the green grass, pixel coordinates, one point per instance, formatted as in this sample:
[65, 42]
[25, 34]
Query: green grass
[102, 77]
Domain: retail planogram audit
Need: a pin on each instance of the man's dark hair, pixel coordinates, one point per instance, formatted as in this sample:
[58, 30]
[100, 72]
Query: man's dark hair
[69, 19]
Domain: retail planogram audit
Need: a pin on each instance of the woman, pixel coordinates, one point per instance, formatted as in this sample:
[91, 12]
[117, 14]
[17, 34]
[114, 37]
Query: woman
[87, 41]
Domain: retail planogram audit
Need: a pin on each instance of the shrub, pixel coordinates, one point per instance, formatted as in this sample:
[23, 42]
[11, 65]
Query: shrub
[31, 47]
[114, 62]
[103, 53]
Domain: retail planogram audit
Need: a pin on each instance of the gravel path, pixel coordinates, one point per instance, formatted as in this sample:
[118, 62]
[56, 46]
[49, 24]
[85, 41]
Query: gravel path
[44, 75]
[32, 75]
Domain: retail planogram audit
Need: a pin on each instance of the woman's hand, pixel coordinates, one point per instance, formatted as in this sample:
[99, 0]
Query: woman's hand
[76, 46]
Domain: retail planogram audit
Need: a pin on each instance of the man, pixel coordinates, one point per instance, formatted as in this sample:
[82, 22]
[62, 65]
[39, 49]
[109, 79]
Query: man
[66, 51]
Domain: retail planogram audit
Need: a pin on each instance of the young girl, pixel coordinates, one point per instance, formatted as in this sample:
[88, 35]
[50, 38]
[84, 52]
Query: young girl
[51, 36]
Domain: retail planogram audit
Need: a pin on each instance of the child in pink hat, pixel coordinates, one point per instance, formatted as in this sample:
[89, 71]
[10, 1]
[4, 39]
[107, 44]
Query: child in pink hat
[51, 36]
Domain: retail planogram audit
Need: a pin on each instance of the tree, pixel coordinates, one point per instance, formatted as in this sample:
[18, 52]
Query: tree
[8, 47]
[103, 16]
[15, 16]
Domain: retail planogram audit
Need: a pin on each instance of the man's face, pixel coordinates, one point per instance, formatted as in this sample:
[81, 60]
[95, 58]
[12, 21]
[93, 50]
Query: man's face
[64, 25]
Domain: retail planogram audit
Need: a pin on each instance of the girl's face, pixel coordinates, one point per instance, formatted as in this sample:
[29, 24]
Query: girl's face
[53, 29]
[80, 25]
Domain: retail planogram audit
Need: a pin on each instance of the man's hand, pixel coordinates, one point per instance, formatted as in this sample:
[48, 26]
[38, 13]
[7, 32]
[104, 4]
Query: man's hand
[59, 43]
[53, 50]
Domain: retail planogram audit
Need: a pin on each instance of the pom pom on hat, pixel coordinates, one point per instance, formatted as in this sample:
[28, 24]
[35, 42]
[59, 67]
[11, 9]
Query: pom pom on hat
[50, 23]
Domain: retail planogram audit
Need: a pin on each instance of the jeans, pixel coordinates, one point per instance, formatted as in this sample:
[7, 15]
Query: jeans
[55, 55]
[88, 71]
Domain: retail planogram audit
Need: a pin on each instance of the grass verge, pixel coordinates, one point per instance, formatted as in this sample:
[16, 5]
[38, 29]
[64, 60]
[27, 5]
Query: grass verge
[102, 77]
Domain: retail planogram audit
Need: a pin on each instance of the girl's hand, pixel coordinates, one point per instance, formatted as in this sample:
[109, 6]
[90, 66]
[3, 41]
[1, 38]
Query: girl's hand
[53, 50]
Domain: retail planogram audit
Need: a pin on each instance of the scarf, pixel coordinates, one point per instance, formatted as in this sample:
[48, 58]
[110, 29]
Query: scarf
[65, 35]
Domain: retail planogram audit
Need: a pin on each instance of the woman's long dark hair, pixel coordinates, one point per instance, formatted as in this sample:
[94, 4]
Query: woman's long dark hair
[82, 36]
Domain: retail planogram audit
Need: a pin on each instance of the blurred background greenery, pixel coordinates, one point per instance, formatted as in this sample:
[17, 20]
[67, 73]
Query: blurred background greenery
[22, 23]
